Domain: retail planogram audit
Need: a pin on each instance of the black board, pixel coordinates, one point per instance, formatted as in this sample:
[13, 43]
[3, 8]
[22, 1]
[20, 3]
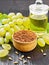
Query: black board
[37, 57]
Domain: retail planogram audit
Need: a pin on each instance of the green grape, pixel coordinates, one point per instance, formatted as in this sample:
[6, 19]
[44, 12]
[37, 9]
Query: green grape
[4, 21]
[1, 14]
[6, 40]
[1, 40]
[4, 16]
[26, 22]
[41, 42]
[8, 35]
[48, 27]
[7, 27]
[11, 24]
[22, 27]
[3, 53]
[19, 15]
[46, 38]
[6, 46]
[11, 14]
[1, 26]
[14, 21]
[14, 17]
[16, 28]
[40, 34]
[9, 20]
[19, 21]
[2, 32]
[11, 30]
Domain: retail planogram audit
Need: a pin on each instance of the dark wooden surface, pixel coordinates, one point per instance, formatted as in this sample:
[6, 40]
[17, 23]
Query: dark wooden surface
[37, 57]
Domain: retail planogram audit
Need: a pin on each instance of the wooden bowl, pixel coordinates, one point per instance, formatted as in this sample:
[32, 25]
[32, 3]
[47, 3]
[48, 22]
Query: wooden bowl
[25, 46]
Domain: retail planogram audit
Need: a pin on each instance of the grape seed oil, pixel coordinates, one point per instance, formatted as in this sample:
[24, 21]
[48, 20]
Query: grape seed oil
[39, 23]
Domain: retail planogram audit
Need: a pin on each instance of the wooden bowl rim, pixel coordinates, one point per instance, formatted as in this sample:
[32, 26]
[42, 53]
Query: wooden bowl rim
[25, 42]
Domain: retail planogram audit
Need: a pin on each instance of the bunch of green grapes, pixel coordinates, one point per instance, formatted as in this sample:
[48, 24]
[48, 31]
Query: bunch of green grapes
[13, 23]
[43, 38]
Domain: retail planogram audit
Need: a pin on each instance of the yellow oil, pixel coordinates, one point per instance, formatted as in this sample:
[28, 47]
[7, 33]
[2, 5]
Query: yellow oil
[39, 23]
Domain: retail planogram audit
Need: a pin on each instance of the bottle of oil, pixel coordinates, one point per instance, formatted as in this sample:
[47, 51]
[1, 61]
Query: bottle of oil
[38, 16]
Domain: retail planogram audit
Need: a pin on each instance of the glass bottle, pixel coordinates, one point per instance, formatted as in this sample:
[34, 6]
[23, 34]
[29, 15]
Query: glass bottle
[38, 16]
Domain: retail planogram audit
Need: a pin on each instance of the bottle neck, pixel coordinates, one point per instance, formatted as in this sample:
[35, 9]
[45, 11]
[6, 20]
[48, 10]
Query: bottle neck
[38, 2]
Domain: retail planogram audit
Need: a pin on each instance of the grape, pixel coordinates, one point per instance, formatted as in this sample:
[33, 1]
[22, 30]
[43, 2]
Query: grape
[7, 27]
[14, 21]
[5, 21]
[6, 46]
[4, 16]
[3, 53]
[41, 42]
[11, 14]
[9, 20]
[6, 40]
[14, 17]
[11, 24]
[46, 38]
[1, 40]
[11, 30]
[48, 27]
[1, 26]
[19, 15]
[2, 32]
[40, 34]
[19, 21]
[1, 14]
[26, 22]
[8, 35]
[16, 28]
[21, 27]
